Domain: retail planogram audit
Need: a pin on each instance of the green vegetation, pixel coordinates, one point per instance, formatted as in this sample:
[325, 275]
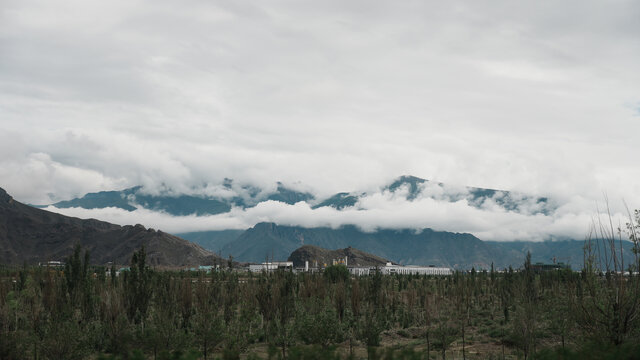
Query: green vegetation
[81, 311]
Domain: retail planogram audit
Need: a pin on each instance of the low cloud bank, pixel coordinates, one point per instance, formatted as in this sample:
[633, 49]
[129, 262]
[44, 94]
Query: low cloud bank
[385, 209]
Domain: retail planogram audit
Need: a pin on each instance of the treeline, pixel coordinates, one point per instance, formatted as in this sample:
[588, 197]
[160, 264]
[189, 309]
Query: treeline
[86, 312]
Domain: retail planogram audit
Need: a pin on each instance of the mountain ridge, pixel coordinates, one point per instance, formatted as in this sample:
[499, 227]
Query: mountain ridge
[269, 241]
[32, 235]
[247, 196]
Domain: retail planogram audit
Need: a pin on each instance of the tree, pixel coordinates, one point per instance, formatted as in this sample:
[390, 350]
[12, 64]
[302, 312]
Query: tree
[65, 339]
[371, 326]
[208, 324]
[445, 334]
[609, 306]
[76, 272]
[525, 322]
[320, 326]
[427, 320]
[138, 285]
[336, 273]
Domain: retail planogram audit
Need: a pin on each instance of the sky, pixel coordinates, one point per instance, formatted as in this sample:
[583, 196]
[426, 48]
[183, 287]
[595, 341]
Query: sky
[537, 97]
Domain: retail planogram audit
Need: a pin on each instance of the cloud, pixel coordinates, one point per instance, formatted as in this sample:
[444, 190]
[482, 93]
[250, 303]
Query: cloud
[332, 95]
[384, 210]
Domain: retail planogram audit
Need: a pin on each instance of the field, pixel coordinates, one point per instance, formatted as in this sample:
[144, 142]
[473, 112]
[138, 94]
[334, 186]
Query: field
[81, 311]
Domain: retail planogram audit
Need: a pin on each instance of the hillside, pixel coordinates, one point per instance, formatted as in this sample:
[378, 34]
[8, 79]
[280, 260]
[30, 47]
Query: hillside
[428, 247]
[408, 247]
[317, 255]
[34, 235]
[213, 240]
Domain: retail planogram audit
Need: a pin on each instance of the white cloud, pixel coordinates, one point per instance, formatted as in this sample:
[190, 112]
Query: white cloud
[333, 95]
[380, 210]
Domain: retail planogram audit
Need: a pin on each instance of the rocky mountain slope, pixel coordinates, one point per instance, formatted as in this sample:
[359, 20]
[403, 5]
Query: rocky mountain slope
[317, 255]
[35, 235]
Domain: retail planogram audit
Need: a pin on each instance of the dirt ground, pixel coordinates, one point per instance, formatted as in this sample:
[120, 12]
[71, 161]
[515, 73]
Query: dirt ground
[477, 346]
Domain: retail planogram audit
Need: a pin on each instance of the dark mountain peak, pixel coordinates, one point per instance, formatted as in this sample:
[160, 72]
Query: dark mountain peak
[410, 179]
[339, 201]
[4, 197]
[413, 182]
[289, 196]
[320, 256]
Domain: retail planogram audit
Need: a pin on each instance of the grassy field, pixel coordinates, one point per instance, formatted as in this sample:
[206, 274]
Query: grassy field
[87, 312]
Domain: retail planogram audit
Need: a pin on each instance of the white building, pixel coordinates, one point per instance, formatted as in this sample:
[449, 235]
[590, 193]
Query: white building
[360, 271]
[52, 264]
[413, 270]
[390, 269]
[271, 266]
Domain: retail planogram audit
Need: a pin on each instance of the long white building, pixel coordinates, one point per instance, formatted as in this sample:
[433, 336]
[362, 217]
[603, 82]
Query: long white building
[390, 269]
[413, 270]
[271, 266]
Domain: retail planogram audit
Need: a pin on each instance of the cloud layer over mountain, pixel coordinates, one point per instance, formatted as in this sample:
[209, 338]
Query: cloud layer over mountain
[433, 206]
[328, 95]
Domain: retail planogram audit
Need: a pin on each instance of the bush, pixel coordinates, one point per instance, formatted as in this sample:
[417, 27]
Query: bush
[335, 273]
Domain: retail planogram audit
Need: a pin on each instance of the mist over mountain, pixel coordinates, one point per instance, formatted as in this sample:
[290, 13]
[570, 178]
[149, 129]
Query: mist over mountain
[31, 234]
[408, 202]
[220, 198]
[217, 199]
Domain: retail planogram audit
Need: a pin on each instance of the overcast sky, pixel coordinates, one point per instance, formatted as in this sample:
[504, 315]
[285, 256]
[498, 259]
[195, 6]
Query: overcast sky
[539, 97]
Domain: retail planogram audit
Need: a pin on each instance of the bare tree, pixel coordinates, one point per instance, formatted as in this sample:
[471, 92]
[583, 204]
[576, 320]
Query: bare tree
[609, 302]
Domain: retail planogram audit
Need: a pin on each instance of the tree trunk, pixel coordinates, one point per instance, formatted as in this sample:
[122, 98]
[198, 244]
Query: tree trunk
[350, 347]
[464, 354]
[428, 346]
[502, 343]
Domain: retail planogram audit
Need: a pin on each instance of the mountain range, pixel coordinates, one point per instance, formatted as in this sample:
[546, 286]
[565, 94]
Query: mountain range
[221, 198]
[405, 246]
[32, 235]
[266, 241]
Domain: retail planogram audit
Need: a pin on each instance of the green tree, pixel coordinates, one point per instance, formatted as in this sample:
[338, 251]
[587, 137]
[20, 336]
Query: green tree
[76, 272]
[319, 327]
[209, 330]
[138, 284]
[335, 273]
